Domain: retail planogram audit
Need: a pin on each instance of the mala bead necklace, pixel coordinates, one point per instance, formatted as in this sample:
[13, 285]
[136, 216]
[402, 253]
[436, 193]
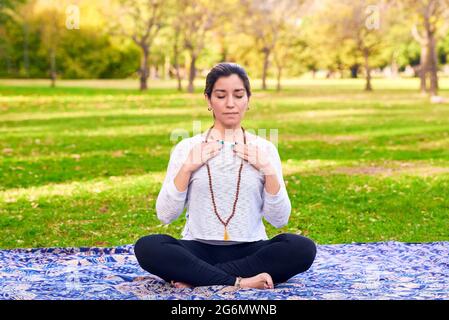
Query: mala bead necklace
[225, 223]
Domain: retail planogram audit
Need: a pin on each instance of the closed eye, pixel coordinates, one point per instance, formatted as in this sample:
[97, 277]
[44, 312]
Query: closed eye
[239, 97]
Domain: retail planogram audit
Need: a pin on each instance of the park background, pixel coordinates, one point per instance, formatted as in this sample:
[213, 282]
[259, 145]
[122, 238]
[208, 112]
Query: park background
[91, 91]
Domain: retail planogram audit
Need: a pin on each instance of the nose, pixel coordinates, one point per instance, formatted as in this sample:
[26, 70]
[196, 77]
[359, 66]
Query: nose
[230, 102]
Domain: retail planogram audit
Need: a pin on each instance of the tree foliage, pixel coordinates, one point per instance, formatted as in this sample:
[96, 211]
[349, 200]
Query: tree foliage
[183, 38]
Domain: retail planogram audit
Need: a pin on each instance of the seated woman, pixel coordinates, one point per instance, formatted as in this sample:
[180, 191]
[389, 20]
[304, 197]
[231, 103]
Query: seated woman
[229, 180]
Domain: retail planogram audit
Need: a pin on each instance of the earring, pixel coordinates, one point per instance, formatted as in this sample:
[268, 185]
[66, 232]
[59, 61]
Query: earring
[209, 108]
[247, 108]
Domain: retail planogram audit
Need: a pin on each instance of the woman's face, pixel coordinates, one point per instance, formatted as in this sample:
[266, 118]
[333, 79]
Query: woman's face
[229, 100]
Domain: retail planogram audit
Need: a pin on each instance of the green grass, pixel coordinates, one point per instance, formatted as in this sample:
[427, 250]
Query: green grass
[82, 164]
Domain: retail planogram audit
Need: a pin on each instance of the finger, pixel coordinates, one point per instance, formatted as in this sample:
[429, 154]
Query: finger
[270, 283]
[247, 156]
[242, 155]
[211, 154]
[212, 146]
[217, 147]
[238, 148]
[207, 153]
[211, 141]
[201, 151]
[248, 150]
[215, 151]
[241, 150]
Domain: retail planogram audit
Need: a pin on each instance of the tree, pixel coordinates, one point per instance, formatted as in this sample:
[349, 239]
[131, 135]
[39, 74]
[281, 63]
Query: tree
[361, 25]
[8, 16]
[7, 9]
[196, 19]
[51, 29]
[141, 21]
[23, 15]
[177, 50]
[428, 23]
[285, 48]
[263, 20]
[317, 50]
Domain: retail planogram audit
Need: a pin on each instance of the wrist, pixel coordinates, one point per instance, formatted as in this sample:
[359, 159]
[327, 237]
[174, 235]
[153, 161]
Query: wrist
[267, 170]
[186, 168]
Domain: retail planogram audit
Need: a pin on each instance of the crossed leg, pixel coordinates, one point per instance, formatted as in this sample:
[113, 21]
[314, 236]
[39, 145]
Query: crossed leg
[169, 259]
[275, 260]
[283, 256]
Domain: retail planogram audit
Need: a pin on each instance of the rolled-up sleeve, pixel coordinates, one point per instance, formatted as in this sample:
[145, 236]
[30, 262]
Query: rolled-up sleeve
[276, 207]
[170, 202]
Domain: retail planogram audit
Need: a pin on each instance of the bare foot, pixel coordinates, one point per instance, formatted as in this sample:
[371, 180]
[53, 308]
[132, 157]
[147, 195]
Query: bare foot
[180, 285]
[260, 281]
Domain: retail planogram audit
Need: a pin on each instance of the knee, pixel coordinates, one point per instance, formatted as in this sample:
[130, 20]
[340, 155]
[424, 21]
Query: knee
[309, 252]
[303, 251]
[148, 246]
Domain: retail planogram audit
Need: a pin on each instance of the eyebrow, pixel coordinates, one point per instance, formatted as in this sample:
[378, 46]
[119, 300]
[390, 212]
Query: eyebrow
[222, 90]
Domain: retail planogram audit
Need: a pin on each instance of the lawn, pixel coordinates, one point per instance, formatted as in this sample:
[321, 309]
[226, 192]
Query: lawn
[82, 164]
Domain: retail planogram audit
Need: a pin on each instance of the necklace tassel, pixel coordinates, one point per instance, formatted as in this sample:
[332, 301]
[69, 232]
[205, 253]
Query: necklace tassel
[226, 235]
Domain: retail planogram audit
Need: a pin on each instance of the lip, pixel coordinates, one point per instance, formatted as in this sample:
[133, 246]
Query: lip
[231, 113]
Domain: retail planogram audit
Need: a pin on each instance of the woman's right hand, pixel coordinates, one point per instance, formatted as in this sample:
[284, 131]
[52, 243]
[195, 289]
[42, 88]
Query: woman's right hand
[200, 153]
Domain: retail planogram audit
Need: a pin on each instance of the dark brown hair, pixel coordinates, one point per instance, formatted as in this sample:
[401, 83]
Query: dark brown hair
[225, 69]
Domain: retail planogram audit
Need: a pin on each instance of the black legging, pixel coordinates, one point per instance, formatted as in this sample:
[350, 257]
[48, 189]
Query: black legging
[201, 264]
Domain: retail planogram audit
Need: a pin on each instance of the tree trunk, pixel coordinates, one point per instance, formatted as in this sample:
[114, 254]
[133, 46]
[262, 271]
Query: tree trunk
[26, 56]
[423, 66]
[53, 67]
[224, 53]
[278, 87]
[266, 57]
[176, 60]
[178, 76]
[433, 65]
[423, 40]
[192, 74]
[144, 71]
[368, 86]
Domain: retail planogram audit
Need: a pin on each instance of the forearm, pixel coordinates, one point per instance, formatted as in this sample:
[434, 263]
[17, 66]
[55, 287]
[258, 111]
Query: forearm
[272, 185]
[182, 178]
[170, 202]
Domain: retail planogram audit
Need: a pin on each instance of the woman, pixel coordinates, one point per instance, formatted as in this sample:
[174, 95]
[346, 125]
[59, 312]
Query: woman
[228, 179]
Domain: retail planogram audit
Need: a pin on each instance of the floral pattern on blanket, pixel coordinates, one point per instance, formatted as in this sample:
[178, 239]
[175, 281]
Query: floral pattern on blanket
[380, 270]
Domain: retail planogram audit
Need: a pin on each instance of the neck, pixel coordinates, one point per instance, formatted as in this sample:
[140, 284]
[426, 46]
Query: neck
[231, 133]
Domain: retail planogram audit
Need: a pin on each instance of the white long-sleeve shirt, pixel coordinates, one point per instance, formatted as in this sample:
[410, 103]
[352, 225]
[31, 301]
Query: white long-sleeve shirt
[254, 201]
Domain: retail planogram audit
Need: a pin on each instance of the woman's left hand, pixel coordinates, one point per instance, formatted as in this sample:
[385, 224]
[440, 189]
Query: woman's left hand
[257, 157]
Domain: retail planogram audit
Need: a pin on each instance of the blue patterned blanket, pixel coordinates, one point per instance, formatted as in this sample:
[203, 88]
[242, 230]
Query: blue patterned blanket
[382, 270]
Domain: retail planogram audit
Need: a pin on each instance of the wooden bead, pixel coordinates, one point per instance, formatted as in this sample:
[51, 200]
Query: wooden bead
[225, 223]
